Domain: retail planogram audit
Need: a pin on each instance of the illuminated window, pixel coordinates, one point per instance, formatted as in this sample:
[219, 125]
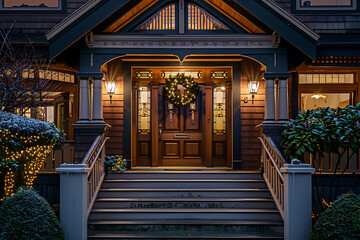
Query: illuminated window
[333, 100]
[219, 110]
[326, 78]
[198, 19]
[31, 4]
[325, 4]
[144, 100]
[162, 20]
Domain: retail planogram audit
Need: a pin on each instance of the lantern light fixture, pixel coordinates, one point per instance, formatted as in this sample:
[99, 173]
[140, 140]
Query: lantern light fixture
[253, 89]
[110, 86]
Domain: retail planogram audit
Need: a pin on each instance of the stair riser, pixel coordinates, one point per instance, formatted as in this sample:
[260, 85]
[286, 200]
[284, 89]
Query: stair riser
[119, 205]
[149, 184]
[209, 237]
[219, 194]
[196, 175]
[181, 216]
[187, 228]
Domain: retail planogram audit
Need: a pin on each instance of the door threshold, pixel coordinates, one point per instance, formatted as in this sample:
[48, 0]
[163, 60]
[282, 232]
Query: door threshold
[183, 168]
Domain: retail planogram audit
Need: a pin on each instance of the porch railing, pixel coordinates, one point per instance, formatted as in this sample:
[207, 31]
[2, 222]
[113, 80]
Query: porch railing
[59, 156]
[273, 161]
[349, 162]
[94, 159]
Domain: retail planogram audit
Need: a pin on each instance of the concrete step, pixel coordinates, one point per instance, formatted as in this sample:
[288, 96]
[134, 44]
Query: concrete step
[113, 203]
[185, 175]
[184, 183]
[185, 214]
[203, 236]
[184, 193]
[199, 226]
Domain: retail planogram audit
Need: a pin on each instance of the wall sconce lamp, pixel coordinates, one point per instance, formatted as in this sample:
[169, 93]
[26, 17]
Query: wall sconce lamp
[110, 86]
[253, 89]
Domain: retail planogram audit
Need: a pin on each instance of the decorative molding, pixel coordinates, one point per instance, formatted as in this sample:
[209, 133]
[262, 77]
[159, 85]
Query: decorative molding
[195, 41]
[291, 18]
[71, 18]
[219, 74]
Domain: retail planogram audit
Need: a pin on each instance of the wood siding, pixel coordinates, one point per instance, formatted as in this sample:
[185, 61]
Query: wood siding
[252, 114]
[28, 22]
[114, 111]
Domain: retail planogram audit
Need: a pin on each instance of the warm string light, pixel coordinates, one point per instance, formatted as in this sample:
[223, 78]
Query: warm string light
[31, 151]
[190, 93]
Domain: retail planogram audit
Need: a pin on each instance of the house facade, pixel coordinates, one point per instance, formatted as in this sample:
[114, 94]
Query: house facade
[299, 54]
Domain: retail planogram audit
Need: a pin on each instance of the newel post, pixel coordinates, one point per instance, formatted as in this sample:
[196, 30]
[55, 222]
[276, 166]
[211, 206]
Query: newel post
[297, 200]
[74, 200]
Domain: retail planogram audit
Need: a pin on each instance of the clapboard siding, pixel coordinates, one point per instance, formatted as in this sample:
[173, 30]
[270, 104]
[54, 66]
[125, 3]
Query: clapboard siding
[37, 23]
[252, 114]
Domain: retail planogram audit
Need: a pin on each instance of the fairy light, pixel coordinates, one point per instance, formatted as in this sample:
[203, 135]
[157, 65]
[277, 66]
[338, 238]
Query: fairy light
[32, 156]
[190, 93]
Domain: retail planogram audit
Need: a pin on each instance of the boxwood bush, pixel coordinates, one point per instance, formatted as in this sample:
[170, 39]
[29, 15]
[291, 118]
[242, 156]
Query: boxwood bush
[115, 164]
[27, 215]
[341, 220]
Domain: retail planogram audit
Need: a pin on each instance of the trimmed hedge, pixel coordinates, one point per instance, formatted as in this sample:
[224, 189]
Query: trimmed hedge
[27, 215]
[341, 220]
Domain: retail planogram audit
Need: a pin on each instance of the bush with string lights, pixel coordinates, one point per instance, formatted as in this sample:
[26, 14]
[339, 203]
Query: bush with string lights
[24, 145]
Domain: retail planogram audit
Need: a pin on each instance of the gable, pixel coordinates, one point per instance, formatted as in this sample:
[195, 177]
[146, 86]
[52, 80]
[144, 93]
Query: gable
[248, 16]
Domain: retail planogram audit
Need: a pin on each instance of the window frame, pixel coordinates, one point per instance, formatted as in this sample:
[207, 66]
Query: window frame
[351, 88]
[34, 10]
[296, 8]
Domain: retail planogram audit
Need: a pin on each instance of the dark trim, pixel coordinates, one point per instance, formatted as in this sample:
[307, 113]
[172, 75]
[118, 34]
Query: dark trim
[285, 28]
[83, 25]
[281, 75]
[236, 87]
[96, 75]
[294, 94]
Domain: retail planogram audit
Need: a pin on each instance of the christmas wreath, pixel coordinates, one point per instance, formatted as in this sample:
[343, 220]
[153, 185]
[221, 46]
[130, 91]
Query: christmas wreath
[172, 93]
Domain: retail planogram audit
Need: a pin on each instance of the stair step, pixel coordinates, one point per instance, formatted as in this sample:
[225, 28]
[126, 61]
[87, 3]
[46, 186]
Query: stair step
[184, 213]
[182, 183]
[154, 236]
[267, 203]
[185, 175]
[188, 222]
[183, 192]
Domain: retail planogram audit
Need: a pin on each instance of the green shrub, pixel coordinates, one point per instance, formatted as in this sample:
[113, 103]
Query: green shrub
[341, 220]
[116, 164]
[27, 215]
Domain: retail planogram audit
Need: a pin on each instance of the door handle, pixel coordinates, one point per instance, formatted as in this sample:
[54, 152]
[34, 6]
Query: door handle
[160, 131]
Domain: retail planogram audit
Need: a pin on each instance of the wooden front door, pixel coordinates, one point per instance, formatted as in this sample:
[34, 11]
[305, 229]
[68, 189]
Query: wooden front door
[196, 135]
[181, 131]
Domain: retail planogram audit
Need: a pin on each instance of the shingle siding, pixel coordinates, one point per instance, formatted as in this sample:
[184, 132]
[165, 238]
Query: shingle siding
[39, 23]
[327, 23]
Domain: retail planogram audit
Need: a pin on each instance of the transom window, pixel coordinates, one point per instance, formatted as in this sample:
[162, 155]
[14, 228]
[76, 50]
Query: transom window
[326, 78]
[325, 4]
[30, 4]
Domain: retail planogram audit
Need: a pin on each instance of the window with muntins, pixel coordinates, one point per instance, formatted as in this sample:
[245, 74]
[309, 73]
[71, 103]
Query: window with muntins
[325, 4]
[199, 19]
[31, 5]
[162, 20]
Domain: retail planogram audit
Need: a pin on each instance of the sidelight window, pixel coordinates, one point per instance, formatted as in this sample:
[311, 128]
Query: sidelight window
[144, 95]
[219, 110]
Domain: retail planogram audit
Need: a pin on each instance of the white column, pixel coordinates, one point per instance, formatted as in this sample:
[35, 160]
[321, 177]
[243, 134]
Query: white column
[269, 99]
[97, 100]
[297, 201]
[283, 99]
[74, 200]
[84, 114]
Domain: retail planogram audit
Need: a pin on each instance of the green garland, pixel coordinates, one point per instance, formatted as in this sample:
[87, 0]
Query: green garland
[171, 90]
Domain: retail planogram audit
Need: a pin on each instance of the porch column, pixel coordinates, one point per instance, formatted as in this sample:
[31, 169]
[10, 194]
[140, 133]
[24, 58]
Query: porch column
[97, 98]
[283, 97]
[84, 99]
[269, 97]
